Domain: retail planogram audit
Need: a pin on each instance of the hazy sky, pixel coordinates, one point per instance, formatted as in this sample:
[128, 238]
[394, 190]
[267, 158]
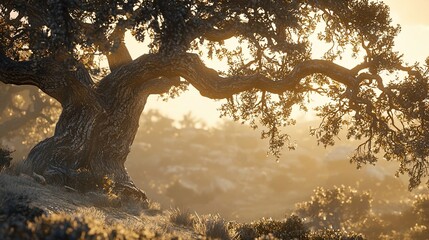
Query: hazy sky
[412, 41]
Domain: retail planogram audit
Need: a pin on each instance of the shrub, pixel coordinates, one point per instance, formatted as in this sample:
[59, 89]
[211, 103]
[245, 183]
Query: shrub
[15, 207]
[15, 213]
[64, 226]
[290, 228]
[153, 208]
[336, 208]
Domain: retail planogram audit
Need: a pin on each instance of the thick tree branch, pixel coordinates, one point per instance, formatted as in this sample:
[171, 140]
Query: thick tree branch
[159, 85]
[211, 85]
[152, 67]
[24, 73]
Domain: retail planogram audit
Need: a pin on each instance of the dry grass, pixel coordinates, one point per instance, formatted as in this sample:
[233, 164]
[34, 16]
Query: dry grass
[91, 212]
[181, 218]
[212, 226]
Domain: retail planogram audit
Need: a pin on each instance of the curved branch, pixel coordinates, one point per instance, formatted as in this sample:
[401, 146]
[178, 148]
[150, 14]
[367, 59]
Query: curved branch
[155, 67]
[212, 85]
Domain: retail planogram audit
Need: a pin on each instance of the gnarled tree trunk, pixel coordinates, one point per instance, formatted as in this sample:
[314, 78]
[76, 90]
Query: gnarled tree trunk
[90, 144]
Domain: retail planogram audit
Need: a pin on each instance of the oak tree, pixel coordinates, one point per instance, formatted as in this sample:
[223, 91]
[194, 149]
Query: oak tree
[54, 45]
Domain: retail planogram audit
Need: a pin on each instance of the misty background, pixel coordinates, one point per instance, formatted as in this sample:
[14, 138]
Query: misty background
[225, 169]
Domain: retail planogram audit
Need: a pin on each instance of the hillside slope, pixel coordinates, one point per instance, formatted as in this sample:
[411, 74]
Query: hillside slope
[30, 210]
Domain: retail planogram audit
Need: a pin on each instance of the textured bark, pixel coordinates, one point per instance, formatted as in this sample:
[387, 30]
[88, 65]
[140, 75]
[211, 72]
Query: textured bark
[89, 145]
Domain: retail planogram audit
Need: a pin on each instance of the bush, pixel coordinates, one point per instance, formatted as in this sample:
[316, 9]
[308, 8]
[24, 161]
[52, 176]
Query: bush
[15, 214]
[210, 226]
[31, 224]
[336, 208]
[291, 228]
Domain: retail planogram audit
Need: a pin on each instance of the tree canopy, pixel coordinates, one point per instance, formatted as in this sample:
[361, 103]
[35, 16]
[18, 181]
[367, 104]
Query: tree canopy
[381, 101]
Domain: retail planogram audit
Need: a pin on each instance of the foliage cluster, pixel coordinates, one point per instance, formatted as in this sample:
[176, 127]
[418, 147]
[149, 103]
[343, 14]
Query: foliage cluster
[290, 228]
